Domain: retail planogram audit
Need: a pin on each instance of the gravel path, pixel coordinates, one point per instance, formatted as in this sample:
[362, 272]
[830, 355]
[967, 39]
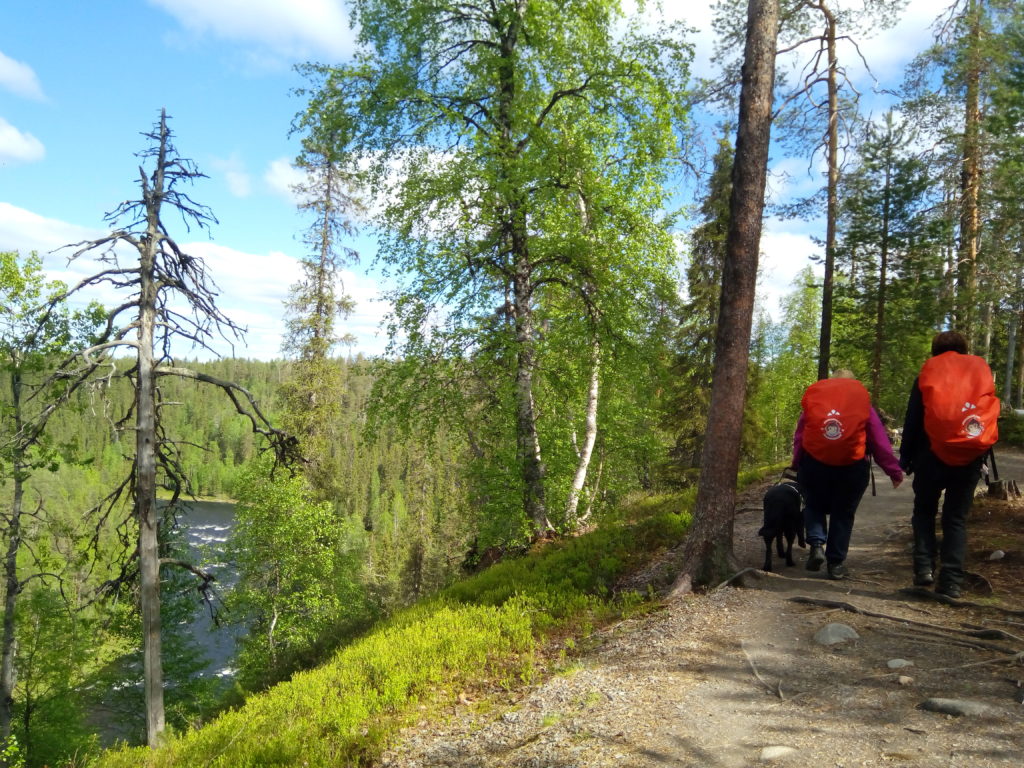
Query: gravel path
[736, 677]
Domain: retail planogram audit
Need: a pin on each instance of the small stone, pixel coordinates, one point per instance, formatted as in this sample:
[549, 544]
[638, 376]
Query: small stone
[510, 717]
[775, 752]
[834, 633]
[955, 707]
[898, 663]
[905, 680]
[997, 555]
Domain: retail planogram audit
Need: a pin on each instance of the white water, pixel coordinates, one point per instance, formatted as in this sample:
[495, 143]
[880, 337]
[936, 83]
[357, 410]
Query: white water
[207, 525]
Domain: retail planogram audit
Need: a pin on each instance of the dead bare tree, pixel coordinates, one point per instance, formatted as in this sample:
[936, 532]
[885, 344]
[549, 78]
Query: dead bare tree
[707, 551]
[170, 297]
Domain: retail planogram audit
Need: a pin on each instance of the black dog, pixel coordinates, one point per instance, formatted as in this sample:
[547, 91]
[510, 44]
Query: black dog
[783, 520]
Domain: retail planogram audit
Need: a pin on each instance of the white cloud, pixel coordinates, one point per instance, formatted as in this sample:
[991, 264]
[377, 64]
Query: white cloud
[890, 50]
[19, 78]
[18, 147]
[282, 176]
[887, 52]
[235, 175]
[251, 287]
[297, 29]
[25, 231]
[784, 253]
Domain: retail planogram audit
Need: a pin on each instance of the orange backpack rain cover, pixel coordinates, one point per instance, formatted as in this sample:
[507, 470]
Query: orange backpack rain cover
[836, 412]
[961, 409]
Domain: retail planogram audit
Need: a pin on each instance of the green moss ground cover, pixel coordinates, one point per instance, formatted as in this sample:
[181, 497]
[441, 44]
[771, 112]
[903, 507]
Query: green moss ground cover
[490, 626]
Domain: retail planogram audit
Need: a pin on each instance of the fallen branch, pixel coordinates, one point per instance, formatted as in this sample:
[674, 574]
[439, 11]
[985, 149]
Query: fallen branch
[776, 689]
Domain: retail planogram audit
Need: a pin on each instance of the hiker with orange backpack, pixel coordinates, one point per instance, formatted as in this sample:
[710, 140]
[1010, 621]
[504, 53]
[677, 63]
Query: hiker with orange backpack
[950, 426]
[838, 430]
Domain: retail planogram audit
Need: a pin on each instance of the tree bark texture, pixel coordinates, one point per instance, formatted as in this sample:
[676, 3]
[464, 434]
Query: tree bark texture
[12, 584]
[528, 441]
[883, 277]
[970, 179]
[1019, 399]
[832, 207]
[707, 551]
[589, 437]
[526, 413]
[1011, 350]
[145, 461]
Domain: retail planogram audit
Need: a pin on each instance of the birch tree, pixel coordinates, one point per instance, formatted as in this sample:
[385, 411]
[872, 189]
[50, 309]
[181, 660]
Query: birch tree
[475, 125]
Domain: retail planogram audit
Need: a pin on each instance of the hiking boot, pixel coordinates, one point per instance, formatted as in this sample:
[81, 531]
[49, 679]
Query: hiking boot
[949, 590]
[817, 558]
[836, 571]
[923, 579]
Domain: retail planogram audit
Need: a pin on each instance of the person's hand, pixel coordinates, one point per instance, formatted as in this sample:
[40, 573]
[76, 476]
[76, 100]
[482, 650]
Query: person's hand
[896, 483]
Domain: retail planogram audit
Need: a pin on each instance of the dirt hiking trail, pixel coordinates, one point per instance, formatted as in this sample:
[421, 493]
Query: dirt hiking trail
[735, 677]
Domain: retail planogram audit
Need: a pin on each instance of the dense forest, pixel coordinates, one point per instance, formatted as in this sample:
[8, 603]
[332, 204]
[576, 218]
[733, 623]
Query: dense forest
[553, 332]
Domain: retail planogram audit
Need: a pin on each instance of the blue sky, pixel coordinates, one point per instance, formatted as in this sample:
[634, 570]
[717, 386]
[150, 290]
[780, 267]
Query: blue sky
[81, 81]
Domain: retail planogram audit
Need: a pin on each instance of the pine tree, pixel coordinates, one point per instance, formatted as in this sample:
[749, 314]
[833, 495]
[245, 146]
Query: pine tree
[312, 396]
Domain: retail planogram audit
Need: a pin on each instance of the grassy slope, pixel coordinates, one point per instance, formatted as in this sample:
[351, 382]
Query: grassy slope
[490, 626]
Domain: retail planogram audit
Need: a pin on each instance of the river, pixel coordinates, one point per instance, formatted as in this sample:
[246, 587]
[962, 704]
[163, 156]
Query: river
[207, 527]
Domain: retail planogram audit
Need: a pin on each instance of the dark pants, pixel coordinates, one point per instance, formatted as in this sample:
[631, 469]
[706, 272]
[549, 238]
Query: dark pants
[931, 478]
[831, 495]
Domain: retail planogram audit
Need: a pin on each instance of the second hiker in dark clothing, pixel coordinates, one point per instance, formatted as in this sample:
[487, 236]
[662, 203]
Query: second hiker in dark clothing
[950, 425]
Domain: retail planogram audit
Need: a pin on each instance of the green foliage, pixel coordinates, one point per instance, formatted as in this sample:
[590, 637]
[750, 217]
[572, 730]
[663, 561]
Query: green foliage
[786, 356]
[56, 652]
[521, 151]
[689, 394]
[311, 398]
[297, 577]
[11, 755]
[1011, 431]
[484, 631]
[891, 261]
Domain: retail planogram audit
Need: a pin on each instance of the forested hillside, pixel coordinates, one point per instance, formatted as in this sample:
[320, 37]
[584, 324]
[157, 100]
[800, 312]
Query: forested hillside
[561, 262]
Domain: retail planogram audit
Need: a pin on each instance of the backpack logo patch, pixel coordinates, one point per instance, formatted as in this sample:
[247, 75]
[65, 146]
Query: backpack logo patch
[832, 427]
[973, 425]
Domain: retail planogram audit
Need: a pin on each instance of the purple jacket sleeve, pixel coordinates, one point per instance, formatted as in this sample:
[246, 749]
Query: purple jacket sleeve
[880, 448]
[798, 441]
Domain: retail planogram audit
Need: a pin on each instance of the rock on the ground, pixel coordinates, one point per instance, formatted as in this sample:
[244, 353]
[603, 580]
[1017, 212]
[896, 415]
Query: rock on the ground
[898, 663]
[775, 752]
[957, 707]
[834, 633]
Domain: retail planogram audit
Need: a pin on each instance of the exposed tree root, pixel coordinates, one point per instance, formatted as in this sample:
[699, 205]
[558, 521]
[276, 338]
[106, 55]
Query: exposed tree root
[981, 634]
[928, 594]
[777, 688]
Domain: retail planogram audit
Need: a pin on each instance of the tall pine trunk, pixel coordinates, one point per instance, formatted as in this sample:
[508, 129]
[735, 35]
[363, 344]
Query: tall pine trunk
[832, 207]
[707, 551]
[883, 278]
[970, 179]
